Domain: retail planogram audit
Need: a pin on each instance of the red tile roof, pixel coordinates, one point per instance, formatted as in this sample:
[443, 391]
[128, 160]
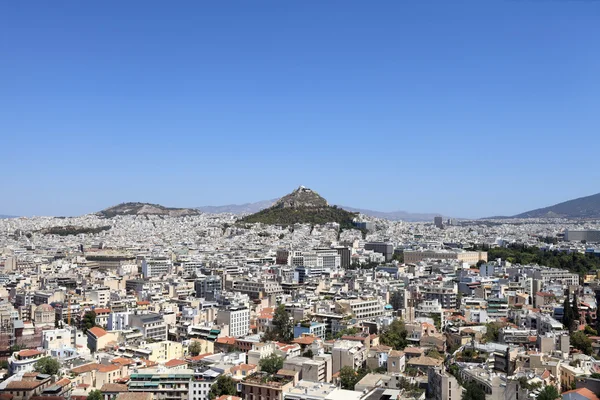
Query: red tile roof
[97, 331]
[29, 353]
[174, 363]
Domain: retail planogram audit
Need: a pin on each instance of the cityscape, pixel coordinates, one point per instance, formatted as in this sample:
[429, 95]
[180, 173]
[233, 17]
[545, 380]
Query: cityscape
[299, 200]
[162, 303]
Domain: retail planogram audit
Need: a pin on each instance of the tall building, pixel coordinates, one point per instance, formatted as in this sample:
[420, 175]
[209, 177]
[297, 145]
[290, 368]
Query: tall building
[590, 236]
[207, 286]
[238, 319]
[441, 385]
[438, 222]
[387, 249]
[345, 254]
[151, 325]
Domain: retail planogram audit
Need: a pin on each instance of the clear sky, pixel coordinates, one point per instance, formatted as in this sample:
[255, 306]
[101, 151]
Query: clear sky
[466, 108]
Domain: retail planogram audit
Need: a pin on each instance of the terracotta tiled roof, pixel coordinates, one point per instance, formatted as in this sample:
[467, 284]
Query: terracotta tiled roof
[107, 368]
[113, 387]
[122, 361]
[226, 340]
[97, 331]
[102, 311]
[29, 353]
[583, 392]
[199, 357]
[174, 363]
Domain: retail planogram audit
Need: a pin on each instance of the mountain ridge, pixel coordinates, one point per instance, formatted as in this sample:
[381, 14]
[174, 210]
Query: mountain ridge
[581, 207]
[136, 208]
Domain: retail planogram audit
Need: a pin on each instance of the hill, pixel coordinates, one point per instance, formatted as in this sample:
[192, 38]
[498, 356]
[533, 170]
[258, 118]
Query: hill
[302, 206]
[7, 216]
[146, 209]
[583, 207]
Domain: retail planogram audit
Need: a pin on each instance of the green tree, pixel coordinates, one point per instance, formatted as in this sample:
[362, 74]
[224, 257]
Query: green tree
[473, 392]
[271, 364]
[95, 395]
[47, 365]
[89, 320]
[308, 353]
[349, 377]
[225, 385]
[394, 335]
[195, 348]
[282, 329]
[548, 393]
[492, 331]
[581, 342]
[575, 308]
[588, 330]
[347, 332]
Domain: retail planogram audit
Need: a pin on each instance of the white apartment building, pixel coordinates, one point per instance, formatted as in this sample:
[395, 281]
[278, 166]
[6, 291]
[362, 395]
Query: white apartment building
[548, 275]
[100, 296]
[238, 319]
[157, 266]
[361, 308]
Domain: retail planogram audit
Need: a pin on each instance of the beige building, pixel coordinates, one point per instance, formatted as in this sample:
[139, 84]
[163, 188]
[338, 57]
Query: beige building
[347, 353]
[441, 385]
[44, 315]
[164, 350]
[469, 257]
[98, 338]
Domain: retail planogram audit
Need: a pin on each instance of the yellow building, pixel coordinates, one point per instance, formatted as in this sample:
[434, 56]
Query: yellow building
[164, 350]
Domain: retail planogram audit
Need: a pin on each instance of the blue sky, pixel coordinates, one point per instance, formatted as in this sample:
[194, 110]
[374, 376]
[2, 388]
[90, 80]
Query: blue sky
[467, 108]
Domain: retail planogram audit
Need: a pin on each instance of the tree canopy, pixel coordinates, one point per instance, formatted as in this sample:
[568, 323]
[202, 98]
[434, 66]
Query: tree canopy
[473, 392]
[195, 348]
[349, 377]
[581, 342]
[283, 328]
[224, 385]
[394, 335]
[47, 365]
[548, 393]
[95, 395]
[89, 320]
[271, 364]
[522, 254]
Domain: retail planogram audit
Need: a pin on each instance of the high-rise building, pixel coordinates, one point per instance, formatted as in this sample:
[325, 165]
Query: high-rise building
[238, 319]
[207, 286]
[387, 249]
[438, 222]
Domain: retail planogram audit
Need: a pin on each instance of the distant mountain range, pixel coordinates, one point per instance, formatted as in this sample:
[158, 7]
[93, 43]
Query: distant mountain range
[7, 216]
[582, 207]
[394, 215]
[247, 208]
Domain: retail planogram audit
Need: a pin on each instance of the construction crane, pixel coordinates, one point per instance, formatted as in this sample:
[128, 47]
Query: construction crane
[69, 308]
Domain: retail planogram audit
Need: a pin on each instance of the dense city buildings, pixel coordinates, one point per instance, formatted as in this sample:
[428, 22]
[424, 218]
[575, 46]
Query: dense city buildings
[169, 306]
